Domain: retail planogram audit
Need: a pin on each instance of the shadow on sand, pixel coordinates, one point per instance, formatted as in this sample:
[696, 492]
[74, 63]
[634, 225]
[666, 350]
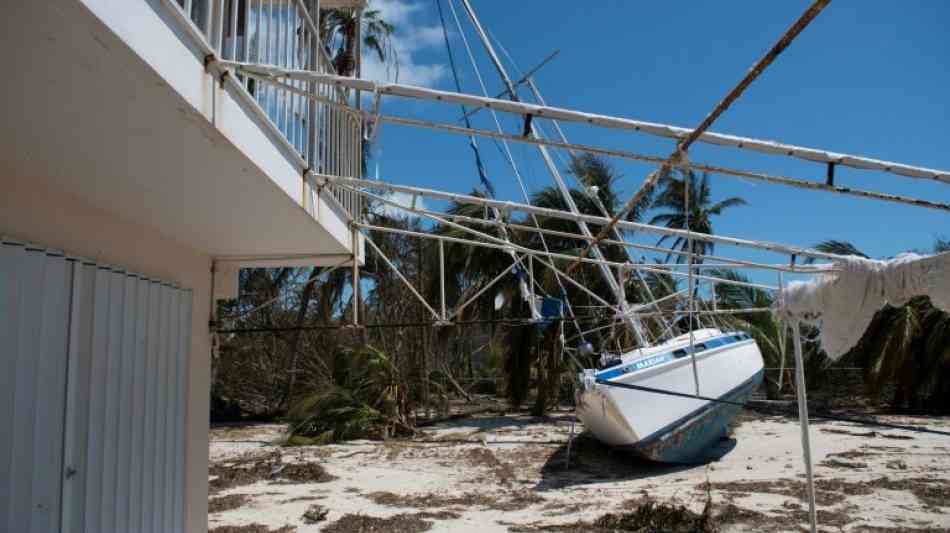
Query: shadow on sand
[593, 462]
[504, 422]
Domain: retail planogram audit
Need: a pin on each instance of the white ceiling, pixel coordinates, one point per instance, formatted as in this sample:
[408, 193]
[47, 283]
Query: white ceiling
[83, 110]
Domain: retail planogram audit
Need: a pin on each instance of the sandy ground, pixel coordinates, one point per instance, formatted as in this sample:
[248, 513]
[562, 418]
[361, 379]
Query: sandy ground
[501, 473]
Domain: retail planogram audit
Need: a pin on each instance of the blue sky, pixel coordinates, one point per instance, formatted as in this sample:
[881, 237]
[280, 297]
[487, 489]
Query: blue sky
[867, 77]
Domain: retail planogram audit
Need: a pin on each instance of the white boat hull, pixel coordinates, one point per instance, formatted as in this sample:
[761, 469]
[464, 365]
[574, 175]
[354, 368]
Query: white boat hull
[670, 428]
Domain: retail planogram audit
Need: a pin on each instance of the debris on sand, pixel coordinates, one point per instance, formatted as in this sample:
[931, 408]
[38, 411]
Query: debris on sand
[315, 513]
[248, 470]
[485, 458]
[430, 500]
[226, 503]
[358, 523]
[505, 501]
[659, 517]
[867, 434]
[462, 485]
[305, 472]
[896, 464]
[439, 515]
[252, 528]
[648, 517]
[784, 487]
[732, 514]
[930, 491]
[838, 463]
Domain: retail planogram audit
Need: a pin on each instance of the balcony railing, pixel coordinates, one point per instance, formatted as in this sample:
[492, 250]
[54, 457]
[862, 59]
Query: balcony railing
[318, 120]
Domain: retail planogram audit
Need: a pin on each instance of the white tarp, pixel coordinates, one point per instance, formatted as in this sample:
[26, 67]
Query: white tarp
[843, 303]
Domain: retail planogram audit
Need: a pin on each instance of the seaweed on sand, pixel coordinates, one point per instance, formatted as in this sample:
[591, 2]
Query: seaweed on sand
[315, 513]
[250, 470]
[226, 503]
[252, 528]
[651, 516]
[358, 523]
[648, 517]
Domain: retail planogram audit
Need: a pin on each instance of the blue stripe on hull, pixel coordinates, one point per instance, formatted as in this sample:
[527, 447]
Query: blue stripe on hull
[688, 439]
[665, 357]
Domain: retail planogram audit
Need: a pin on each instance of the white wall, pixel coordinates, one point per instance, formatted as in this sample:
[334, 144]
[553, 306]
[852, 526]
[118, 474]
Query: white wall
[31, 210]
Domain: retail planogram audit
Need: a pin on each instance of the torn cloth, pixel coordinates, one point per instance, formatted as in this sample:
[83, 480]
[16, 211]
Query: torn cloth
[843, 303]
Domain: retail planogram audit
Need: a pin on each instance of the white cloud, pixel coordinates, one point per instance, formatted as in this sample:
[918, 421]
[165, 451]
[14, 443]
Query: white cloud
[401, 198]
[408, 40]
[395, 12]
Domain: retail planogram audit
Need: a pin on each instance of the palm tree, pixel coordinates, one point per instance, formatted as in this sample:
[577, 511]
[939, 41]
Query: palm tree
[598, 178]
[768, 331]
[908, 346]
[598, 196]
[339, 31]
[672, 198]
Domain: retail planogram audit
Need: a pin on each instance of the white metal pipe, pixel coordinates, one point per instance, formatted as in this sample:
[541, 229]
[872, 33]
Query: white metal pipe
[511, 247]
[719, 312]
[278, 297]
[782, 331]
[554, 213]
[401, 277]
[234, 24]
[442, 277]
[507, 148]
[633, 156]
[247, 31]
[605, 272]
[803, 420]
[535, 313]
[567, 115]
[589, 292]
[487, 286]
[506, 245]
[757, 176]
[690, 279]
[725, 262]
[554, 255]
[356, 276]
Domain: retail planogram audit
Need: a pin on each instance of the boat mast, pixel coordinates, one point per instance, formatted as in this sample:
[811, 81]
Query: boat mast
[562, 187]
[667, 328]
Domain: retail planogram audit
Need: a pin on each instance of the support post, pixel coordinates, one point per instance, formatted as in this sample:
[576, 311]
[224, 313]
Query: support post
[803, 419]
[782, 331]
[535, 313]
[687, 183]
[402, 278]
[442, 277]
[356, 278]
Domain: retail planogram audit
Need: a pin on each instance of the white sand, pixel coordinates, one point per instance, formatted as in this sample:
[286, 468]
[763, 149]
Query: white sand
[512, 456]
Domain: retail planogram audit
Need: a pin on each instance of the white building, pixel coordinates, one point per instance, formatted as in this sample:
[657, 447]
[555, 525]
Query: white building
[135, 179]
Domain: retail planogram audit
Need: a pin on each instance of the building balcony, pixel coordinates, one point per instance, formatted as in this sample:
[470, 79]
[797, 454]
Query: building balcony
[118, 103]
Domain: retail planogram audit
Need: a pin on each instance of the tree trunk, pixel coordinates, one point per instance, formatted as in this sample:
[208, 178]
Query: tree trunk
[549, 371]
[518, 365]
[305, 298]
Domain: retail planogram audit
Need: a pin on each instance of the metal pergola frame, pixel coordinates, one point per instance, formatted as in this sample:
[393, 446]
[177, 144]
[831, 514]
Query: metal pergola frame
[609, 223]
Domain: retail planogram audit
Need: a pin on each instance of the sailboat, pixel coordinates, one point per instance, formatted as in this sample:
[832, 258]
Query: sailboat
[665, 427]
[706, 362]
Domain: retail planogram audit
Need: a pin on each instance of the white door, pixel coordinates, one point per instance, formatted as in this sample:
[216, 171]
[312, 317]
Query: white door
[92, 387]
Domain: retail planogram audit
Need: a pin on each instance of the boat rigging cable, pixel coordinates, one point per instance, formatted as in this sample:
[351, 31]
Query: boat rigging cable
[507, 150]
[530, 131]
[489, 188]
